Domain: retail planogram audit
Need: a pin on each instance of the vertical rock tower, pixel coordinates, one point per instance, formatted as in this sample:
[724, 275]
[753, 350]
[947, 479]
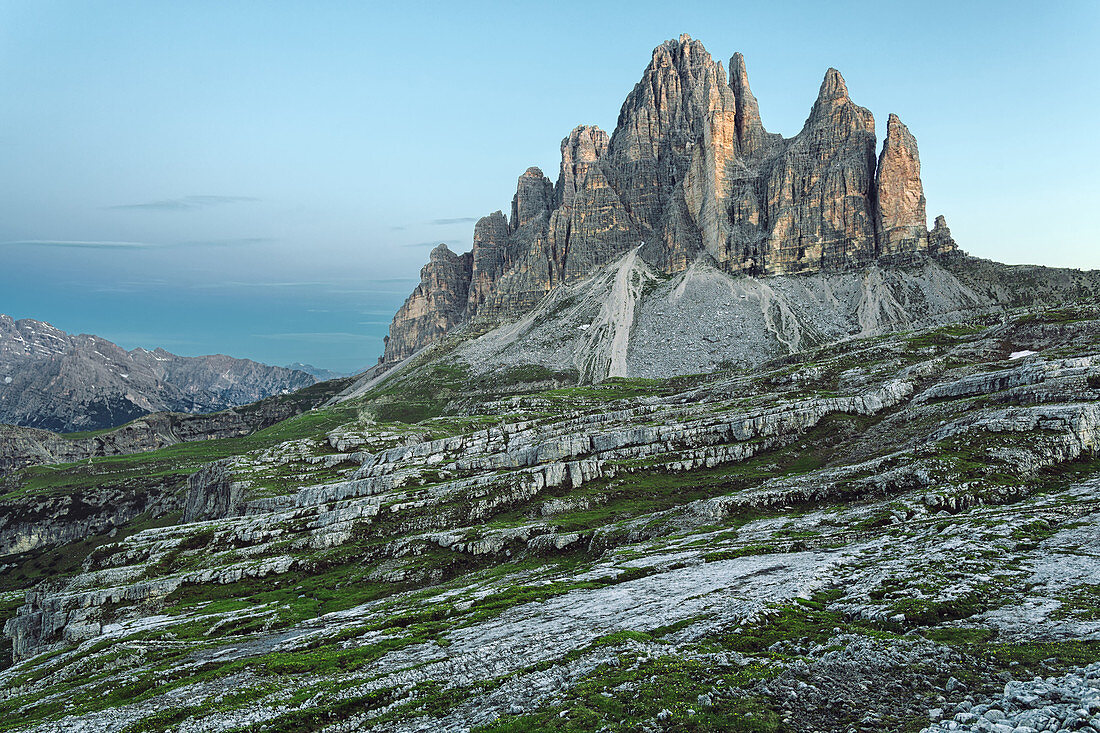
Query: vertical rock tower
[689, 173]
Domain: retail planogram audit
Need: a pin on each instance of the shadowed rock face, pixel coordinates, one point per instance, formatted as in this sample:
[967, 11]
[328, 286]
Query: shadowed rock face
[689, 174]
[437, 304]
[940, 241]
[819, 193]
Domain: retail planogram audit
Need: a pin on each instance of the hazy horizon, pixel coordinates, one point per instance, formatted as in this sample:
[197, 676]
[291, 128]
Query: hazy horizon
[265, 180]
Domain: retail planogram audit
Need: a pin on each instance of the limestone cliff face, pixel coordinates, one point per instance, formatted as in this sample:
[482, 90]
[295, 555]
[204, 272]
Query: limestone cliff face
[819, 194]
[901, 223]
[437, 304]
[590, 226]
[689, 173]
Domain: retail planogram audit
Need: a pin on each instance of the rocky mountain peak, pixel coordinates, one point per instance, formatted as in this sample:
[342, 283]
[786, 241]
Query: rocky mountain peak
[750, 131]
[900, 221]
[689, 174]
[59, 381]
[835, 109]
[437, 304]
[681, 84]
[833, 88]
[534, 198]
[940, 241]
[441, 252]
[585, 145]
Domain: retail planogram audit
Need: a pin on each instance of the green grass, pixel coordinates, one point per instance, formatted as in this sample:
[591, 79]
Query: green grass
[744, 551]
[1067, 314]
[65, 560]
[943, 337]
[641, 489]
[174, 462]
[987, 655]
[628, 695]
[1081, 602]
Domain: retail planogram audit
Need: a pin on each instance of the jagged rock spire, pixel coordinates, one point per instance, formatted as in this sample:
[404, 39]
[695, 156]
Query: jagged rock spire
[900, 219]
[585, 145]
[436, 306]
[691, 172]
[533, 200]
[940, 241]
[489, 258]
[833, 88]
[820, 192]
[750, 131]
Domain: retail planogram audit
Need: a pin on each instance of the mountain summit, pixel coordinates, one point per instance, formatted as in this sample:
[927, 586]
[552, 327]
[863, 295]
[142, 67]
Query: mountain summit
[689, 176]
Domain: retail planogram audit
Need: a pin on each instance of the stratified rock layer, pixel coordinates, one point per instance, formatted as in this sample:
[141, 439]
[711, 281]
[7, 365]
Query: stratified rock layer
[940, 241]
[689, 174]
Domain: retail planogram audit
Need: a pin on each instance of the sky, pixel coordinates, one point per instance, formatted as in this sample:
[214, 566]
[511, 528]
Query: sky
[266, 179]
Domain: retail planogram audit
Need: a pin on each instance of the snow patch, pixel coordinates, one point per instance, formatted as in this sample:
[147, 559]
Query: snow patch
[7, 380]
[1020, 354]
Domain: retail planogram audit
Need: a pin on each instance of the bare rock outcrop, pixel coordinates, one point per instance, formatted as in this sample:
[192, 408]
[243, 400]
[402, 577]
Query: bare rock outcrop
[940, 241]
[901, 223]
[437, 304]
[819, 194]
[689, 174]
[590, 225]
[212, 493]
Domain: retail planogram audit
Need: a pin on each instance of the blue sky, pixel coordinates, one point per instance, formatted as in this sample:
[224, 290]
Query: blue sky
[265, 179]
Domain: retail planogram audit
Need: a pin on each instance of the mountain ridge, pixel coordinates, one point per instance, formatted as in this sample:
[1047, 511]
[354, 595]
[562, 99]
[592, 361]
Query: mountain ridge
[712, 434]
[689, 174]
[63, 382]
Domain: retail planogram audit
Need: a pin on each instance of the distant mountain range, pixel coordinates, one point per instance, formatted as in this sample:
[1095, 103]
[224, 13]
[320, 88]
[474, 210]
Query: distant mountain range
[322, 375]
[58, 381]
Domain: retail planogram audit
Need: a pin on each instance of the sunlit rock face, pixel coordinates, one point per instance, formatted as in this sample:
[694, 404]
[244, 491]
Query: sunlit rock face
[688, 175]
[900, 218]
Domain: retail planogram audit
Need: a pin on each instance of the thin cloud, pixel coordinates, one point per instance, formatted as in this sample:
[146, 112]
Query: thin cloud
[78, 244]
[458, 220]
[101, 244]
[185, 203]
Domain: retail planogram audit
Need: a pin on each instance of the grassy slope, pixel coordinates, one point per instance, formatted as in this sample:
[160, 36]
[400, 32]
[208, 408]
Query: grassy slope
[441, 400]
